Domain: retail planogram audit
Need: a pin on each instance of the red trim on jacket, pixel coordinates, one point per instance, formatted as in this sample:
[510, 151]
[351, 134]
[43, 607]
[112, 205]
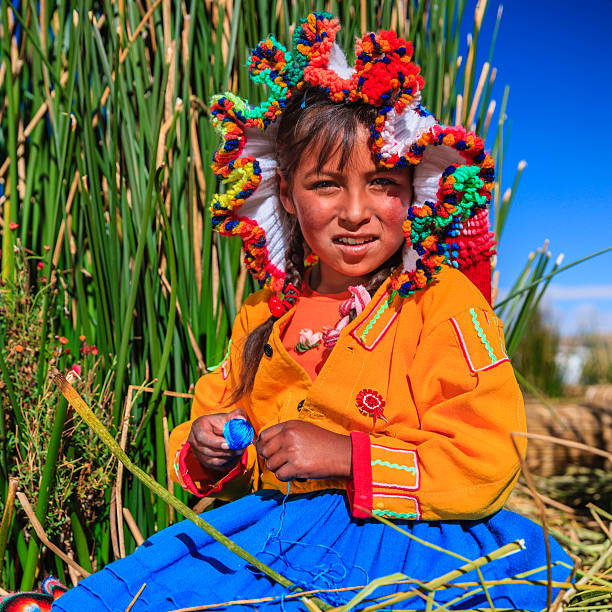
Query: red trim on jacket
[359, 489]
[191, 471]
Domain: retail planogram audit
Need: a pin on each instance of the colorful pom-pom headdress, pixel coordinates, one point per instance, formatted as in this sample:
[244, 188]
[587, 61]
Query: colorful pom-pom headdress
[447, 221]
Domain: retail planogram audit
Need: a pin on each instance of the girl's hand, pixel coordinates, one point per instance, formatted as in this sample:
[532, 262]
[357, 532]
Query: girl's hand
[208, 444]
[296, 449]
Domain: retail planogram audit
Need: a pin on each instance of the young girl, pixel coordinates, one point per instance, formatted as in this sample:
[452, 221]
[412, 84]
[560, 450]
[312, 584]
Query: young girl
[376, 380]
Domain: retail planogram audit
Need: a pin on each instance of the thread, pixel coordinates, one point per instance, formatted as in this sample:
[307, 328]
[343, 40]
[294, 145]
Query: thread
[238, 433]
[329, 575]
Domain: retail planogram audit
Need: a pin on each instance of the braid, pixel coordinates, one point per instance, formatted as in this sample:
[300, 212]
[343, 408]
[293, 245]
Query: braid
[379, 277]
[294, 260]
[253, 349]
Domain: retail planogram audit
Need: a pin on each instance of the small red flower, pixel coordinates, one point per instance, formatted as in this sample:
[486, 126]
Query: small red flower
[13, 225]
[76, 368]
[371, 402]
[73, 373]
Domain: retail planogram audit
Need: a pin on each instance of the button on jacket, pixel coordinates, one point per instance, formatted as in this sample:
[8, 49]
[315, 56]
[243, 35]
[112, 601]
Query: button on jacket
[421, 384]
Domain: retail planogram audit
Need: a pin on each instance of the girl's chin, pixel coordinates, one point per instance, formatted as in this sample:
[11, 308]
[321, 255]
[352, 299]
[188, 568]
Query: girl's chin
[337, 280]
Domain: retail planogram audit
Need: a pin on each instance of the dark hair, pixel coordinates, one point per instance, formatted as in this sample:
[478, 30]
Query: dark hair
[310, 120]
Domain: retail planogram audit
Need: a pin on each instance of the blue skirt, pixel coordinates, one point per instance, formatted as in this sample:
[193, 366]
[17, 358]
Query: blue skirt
[313, 541]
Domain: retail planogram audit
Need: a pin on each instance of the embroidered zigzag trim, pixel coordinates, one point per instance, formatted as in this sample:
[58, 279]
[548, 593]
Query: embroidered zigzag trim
[400, 515]
[362, 332]
[467, 354]
[396, 466]
[482, 336]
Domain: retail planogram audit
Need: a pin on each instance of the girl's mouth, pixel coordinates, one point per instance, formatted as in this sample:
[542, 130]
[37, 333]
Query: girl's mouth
[354, 241]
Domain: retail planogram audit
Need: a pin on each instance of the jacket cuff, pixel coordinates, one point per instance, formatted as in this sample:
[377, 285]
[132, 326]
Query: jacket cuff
[195, 479]
[359, 489]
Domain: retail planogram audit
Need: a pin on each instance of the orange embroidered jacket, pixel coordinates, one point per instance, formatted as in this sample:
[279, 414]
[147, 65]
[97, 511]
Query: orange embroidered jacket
[433, 370]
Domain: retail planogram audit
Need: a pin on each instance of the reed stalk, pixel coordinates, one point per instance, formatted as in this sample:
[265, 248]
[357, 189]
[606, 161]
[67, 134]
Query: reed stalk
[7, 518]
[11, 203]
[546, 277]
[42, 536]
[432, 585]
[44, 494]
[149, 203]
[86, 413]
[14, 402]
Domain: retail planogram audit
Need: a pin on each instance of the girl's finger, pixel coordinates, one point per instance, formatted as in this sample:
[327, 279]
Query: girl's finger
[278, 464]
[275, 461]
[211, 440]
[214, 460]
[211, 452]
[238, 413]
[270, 432]
[268, 444]
[216, 427]
[285, 473]
[267, 435]
[218, 423]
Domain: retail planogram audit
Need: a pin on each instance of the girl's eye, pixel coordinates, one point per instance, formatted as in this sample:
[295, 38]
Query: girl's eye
[384, 181]
[324, 185]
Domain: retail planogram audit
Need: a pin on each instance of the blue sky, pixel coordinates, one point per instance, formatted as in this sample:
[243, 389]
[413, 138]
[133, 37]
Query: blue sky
[557, 59]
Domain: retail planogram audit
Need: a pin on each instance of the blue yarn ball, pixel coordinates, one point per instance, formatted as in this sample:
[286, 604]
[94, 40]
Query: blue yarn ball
[238, 433]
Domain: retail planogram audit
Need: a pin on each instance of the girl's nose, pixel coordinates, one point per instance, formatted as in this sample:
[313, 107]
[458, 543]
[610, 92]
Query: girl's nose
[354, 210]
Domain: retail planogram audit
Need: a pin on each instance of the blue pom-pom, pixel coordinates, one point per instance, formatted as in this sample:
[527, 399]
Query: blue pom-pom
[238, 433]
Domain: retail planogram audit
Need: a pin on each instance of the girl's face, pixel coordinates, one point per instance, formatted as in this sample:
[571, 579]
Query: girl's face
[351, 218]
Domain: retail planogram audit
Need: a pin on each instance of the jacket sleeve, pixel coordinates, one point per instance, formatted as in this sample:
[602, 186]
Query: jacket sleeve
[212, 393]
[460, 463]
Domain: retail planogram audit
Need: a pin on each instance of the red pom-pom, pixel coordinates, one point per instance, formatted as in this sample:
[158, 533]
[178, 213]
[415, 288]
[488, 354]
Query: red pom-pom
[384, 74]
[277, 308]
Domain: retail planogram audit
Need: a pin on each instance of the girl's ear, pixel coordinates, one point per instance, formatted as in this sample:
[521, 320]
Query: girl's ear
[284, 193]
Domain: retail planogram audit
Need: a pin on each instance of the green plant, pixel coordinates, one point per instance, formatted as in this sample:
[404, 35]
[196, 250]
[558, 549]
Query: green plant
[535, 355]
[597, 368]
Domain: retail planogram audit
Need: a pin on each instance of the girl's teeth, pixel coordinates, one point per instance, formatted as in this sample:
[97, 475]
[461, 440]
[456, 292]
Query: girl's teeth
[354, 240]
